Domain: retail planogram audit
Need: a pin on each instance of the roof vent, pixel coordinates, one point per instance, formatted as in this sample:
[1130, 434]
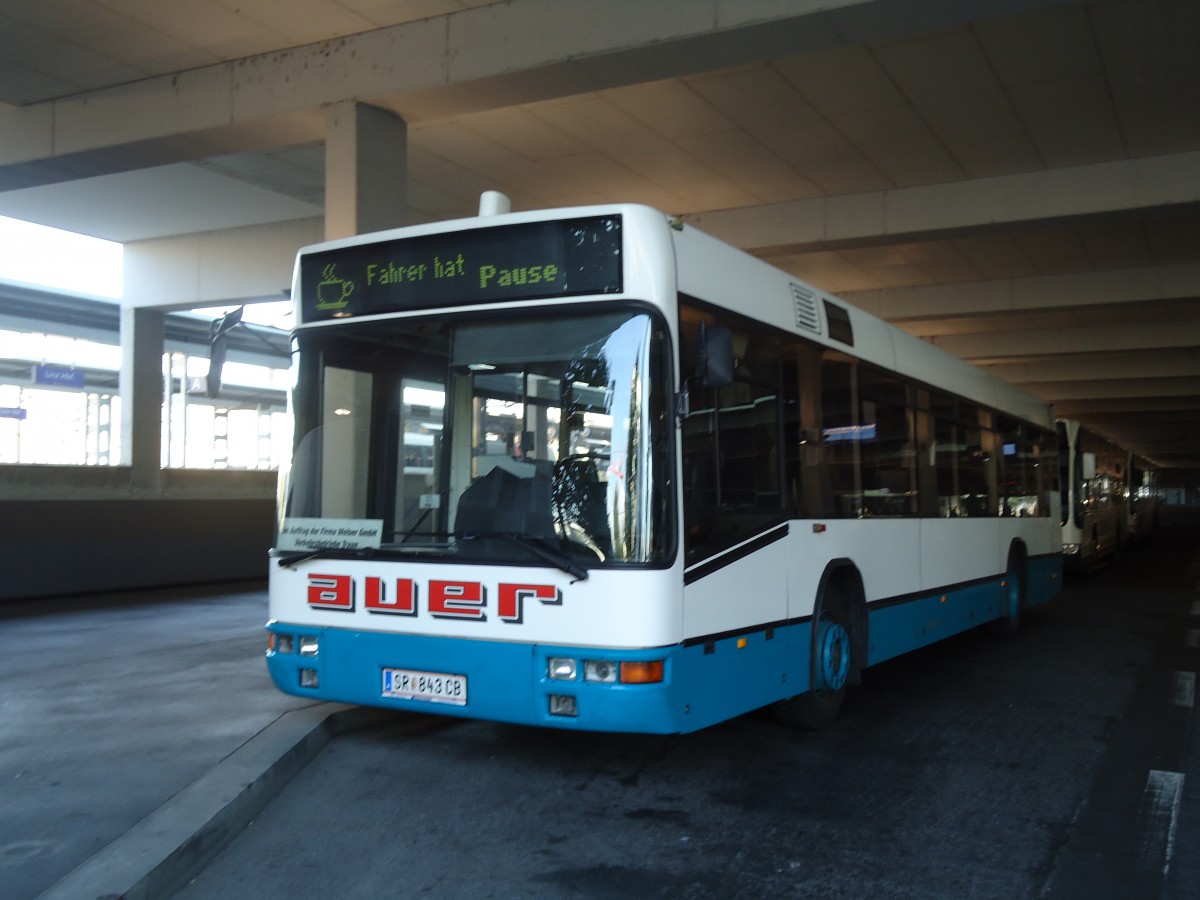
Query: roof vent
[805, 302]
[494, 203]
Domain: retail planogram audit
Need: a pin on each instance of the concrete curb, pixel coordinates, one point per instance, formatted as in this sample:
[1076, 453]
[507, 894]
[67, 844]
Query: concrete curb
[173, 843]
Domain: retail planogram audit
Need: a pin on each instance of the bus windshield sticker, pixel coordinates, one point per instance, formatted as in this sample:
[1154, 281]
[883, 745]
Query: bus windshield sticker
[330, 534]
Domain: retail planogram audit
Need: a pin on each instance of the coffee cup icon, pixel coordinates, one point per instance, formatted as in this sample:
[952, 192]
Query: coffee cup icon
[333, 292]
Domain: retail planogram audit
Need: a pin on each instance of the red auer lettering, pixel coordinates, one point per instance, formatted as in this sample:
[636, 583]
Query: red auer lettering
[331, 591]
[402, 603]
[511, 605]
[457, 600]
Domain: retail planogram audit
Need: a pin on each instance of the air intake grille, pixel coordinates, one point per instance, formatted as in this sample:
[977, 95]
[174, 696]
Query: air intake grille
[805, 302]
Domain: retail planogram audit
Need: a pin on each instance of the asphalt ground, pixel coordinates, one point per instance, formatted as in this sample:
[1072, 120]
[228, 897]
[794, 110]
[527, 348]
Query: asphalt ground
[130, 724]
[1058, 763]
[145, 753]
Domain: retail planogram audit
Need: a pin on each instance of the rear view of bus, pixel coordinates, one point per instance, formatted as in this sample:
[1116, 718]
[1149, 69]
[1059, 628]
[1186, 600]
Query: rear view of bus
[1098, 512]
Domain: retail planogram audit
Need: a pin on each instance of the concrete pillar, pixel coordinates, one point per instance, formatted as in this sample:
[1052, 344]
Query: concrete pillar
[142, 396]
[366, 169]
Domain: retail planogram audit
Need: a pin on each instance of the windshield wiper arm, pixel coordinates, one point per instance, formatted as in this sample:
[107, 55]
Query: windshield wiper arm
[534, 546]
[286, 560]
[553, 557]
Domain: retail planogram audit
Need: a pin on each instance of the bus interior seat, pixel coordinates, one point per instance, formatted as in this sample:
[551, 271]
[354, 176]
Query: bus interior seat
[501, 502]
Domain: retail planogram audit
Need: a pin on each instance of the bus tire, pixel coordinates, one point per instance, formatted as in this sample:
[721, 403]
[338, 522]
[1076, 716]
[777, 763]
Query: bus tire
[832, 663]
[1016, 594]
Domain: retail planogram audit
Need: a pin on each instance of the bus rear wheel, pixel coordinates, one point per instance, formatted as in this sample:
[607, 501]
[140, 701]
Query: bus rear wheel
[832, 654]
[1016, 588]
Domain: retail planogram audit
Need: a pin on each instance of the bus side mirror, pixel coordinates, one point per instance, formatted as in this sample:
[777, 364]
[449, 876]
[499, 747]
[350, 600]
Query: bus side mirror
[218, 338]
[1089, 466]
[714, 356]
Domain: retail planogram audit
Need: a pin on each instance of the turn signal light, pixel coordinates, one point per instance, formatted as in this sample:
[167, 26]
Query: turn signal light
[642, 672]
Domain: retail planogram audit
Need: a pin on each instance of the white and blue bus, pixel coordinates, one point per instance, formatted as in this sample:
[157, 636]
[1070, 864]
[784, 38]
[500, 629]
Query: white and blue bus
[1145, 496]
[1110, 496]
[593, 469]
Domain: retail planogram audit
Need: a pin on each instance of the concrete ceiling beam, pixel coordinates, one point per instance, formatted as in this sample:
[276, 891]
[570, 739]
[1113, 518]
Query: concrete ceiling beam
[216, 268]
[1060, 391]
[1087, 367]
[1034, 294]
[985, 349]
[1058, 196]
[1150, 408]
[469, 60]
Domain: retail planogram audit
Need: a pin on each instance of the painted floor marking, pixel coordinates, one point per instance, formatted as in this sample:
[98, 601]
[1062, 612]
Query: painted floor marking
[1183, 689]
[1158, 816]
[1193, 638]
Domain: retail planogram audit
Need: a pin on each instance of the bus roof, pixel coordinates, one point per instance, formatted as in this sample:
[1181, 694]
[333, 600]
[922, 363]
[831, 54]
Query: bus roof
[713, 271]
[726, 276]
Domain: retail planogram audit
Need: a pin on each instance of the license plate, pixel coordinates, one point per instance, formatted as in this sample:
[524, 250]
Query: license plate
[434, 687]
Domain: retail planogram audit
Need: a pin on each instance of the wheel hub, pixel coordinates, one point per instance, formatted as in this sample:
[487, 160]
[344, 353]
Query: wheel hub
[833, 656]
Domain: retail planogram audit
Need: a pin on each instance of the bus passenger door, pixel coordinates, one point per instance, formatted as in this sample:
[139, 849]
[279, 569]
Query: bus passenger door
[735, 571]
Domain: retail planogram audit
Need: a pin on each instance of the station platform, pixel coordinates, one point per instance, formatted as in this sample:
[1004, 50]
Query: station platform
[136, 731]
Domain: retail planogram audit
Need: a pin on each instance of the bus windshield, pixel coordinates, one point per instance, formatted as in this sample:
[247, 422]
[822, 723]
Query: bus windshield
[515, 440]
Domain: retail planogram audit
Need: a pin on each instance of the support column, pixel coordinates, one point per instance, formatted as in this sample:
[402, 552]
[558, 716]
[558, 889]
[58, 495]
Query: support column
[366, 169]
[142, 397]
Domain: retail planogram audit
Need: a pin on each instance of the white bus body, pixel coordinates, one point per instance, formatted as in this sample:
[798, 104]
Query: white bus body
[1110, 496]
[596, 531]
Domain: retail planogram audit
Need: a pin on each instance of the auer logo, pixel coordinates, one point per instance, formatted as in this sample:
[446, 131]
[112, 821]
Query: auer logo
[444, 599]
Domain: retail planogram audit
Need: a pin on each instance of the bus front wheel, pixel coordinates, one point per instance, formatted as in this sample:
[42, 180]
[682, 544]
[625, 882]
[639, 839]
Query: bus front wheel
[832, 649]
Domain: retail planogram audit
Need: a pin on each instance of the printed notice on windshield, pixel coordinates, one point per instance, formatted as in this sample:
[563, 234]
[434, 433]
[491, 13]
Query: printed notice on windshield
[329, 534]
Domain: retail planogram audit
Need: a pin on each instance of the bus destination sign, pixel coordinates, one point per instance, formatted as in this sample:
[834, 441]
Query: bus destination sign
[540, 260]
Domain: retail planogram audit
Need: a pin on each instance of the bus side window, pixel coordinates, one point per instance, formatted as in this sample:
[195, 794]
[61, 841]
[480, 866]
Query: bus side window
[809, 495]
[945, 461]
[889, 481]
[1021, 493]
[965, 466]
[926, 470]
[732, 479]
[841, 433]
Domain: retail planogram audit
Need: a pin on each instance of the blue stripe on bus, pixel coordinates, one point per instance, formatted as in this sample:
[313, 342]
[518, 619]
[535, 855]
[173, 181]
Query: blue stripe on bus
[707, 680]
[506, 682]
[898, 627]
[735, 674]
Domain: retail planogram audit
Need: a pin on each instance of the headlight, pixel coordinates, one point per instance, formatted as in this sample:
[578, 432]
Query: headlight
[601, 670]
[562, 668]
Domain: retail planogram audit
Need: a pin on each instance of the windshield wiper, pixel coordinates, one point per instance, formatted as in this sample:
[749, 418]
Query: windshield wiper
[285, 560]
[532, 545]
[538, 549]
